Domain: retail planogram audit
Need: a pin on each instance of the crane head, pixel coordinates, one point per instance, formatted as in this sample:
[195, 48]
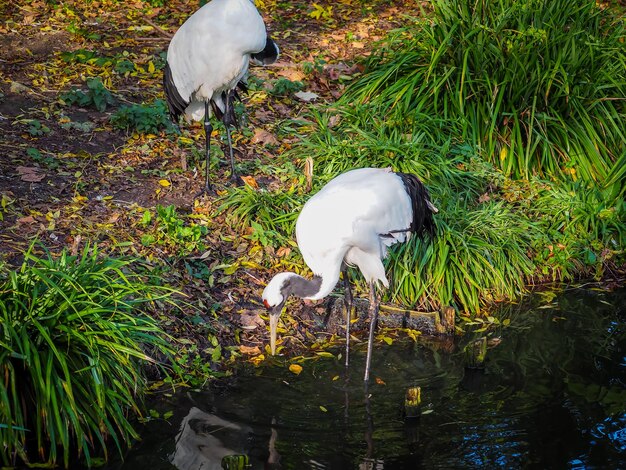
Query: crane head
[274, 298]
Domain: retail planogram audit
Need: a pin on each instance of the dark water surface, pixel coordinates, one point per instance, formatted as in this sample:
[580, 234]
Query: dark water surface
[552, 395]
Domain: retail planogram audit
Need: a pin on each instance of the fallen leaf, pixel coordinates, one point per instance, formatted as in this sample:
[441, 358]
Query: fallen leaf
[484, 198]
[334, 120]
[325, 354]
[256, 360]
[164, 183]
[306, 96]
[250, 181]
[291, 74]
[263, 137]
[263, 115]
[30, 174]
[114, 218]
[252, 350]
[251, 321]
[295, 368]
[380, 381]
[283, 252]
[26, 220]
[17, 88]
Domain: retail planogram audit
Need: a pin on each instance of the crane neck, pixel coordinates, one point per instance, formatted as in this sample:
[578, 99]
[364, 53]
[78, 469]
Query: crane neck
[315, 288]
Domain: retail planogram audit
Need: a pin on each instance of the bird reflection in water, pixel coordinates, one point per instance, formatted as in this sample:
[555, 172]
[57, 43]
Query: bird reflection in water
[206, 441]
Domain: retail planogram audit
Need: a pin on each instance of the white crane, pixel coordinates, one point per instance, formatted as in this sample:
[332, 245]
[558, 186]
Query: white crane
[352, 221]
[208, 59]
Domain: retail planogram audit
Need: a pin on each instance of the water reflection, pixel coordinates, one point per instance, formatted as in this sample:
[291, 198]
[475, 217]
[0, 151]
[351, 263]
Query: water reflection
[205, 439]
[551, 395]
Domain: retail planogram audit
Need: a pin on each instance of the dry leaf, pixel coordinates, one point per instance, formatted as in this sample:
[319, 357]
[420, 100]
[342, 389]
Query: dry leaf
[114, 218]
[295, 368]
[291, 74]
[308, 173]
[30, 174]
[380, 381]
[333, 120]
[263, 137]
[17, 88]
[253, 350]
[484, 198]
[283, 252]
[250, 181]
[306, 96]
[26, 220]
[251, 321]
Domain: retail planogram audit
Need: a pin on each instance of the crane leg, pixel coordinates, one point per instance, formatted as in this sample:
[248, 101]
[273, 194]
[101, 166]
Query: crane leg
[234, 177]
[208, 129]
[348, 306]
[373, 319]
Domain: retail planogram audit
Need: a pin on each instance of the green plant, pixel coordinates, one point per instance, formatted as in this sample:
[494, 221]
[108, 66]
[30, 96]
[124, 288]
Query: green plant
[124, 66]
[97, 95]
[172, 231]
[536, 86]
[83, 32]
[284, 87]
[74, 336]
[149, 119]
[85, 56]
[47, 160]
[273, 212]
[36, 128]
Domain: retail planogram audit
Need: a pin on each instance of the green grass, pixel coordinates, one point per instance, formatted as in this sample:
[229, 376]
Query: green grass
[74, 340]
[512, 112]
[537, 86]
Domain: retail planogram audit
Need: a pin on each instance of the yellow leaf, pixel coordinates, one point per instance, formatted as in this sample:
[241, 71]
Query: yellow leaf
[164, 183]
[295, 368]
[324, 354]
[256, 360]
[151, 68]
[336, 377]
[323, 408]
[503, 153]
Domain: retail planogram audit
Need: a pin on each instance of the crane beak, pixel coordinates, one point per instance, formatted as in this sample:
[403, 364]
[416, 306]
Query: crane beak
[274, 316]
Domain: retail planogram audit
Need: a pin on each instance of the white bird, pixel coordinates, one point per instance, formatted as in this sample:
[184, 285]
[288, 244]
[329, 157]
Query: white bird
[208, 59]
[352, 221]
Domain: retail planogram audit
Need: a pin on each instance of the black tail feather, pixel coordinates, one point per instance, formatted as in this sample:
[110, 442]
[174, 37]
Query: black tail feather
[422, 214]
[175, 102]
[269, 54]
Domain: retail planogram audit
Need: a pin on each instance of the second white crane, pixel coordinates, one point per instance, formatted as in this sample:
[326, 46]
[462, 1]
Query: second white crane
[352, 221]
[208, 59]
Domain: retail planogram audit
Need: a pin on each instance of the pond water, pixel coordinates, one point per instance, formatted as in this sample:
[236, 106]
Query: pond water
[552, 394]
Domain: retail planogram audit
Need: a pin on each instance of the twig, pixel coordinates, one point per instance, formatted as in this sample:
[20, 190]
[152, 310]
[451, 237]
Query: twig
[253, 277]
[160, 30]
